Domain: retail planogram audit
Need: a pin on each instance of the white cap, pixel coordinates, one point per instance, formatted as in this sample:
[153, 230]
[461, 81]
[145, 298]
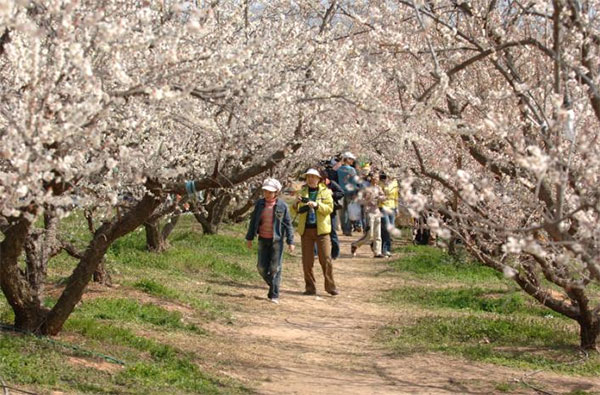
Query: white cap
[348, 155]
[314, 172]
[271, 184]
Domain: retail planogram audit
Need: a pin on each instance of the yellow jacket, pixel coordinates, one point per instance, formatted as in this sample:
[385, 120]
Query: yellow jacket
[391, 195]
[324, 209]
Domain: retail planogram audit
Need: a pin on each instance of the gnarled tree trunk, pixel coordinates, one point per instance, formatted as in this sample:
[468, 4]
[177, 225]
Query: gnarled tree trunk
[588, 333]
[239, 214]
[30, 315]
[156, 239]
[93, 256]
[215, 211]
[101, 275]
[24, 299]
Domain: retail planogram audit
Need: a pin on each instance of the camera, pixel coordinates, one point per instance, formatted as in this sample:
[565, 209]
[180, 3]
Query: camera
[304, 199]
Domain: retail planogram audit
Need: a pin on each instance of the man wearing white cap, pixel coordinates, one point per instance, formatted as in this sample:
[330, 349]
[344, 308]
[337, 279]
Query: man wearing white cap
[272, 223]
[347, 180]
[314, 206]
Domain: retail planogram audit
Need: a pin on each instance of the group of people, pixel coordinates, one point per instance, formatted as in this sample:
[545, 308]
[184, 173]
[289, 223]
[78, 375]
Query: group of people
[334, 188]
[370, 201]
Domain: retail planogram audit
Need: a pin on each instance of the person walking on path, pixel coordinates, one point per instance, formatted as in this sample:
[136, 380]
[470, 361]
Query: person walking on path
[389, 210]
[338, 195]
[347, 180]
[272, 222]
[370, 197]
[314, 206]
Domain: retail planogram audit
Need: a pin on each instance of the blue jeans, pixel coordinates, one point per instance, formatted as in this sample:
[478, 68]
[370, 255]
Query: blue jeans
[345, 218]
[270, 264]
[387, 218]
[335, 242]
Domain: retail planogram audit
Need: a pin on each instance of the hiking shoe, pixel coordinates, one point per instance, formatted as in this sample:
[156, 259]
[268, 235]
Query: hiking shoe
[274, 300]
[309, 293]
[353, 249]
[387, 254]
[334, 292]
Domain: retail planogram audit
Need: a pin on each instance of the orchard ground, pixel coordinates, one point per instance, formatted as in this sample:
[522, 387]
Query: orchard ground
[196, 319]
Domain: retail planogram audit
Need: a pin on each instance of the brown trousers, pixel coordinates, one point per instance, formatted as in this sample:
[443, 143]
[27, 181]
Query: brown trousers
[308, 240]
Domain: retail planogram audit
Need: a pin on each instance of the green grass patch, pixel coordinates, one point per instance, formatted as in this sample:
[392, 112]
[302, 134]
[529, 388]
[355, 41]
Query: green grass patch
[27, 360]
[154, 288]
[511, 341]
[127, 329]
[6, 313]
[220, 256]
[473, 312]
[204, 304]
[166, 367]
[128, 310]
[499, 301]
[43, 363]
[161, 378]
[428, 262]
[102, 333]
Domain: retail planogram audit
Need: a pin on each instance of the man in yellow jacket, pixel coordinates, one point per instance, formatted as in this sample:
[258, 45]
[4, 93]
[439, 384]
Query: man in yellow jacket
[313, 207]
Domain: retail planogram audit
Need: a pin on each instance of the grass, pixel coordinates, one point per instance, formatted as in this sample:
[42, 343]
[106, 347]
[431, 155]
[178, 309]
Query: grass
[128, 310]
[431, 263]
[154, 288]
[191, 252]
[6, 313]
[215, 255]
[43, 363]
[203, 304]
[500, 300]
[470, 311]
[140, 331]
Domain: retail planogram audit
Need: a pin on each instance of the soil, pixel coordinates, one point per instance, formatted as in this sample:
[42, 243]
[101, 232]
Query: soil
[327, 345]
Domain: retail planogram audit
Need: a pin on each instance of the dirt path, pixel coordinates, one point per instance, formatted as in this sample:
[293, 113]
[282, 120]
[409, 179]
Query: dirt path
[325, 345]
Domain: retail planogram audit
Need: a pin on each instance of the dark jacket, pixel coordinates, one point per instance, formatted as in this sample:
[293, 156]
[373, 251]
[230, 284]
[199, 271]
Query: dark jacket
[338, 195]
[282, 222]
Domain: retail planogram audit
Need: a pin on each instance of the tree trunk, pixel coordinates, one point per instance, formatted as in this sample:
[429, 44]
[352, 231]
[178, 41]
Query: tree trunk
[207, 226]
[215, 212]
[452, 251]
[169, 226]
[40, 246]
[29, 312]
[36, 262]
[101, 275]
[239, 214]
[154, 239]
[92, 257]
[32, 318]
[588, 333]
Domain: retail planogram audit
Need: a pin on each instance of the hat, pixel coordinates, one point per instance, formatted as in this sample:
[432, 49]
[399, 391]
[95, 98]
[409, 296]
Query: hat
[314, 172]
[271, 184]
[348, 155]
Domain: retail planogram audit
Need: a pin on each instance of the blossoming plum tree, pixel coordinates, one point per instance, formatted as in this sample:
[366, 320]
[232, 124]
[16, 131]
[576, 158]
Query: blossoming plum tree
[112, 99]
[501, 108]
